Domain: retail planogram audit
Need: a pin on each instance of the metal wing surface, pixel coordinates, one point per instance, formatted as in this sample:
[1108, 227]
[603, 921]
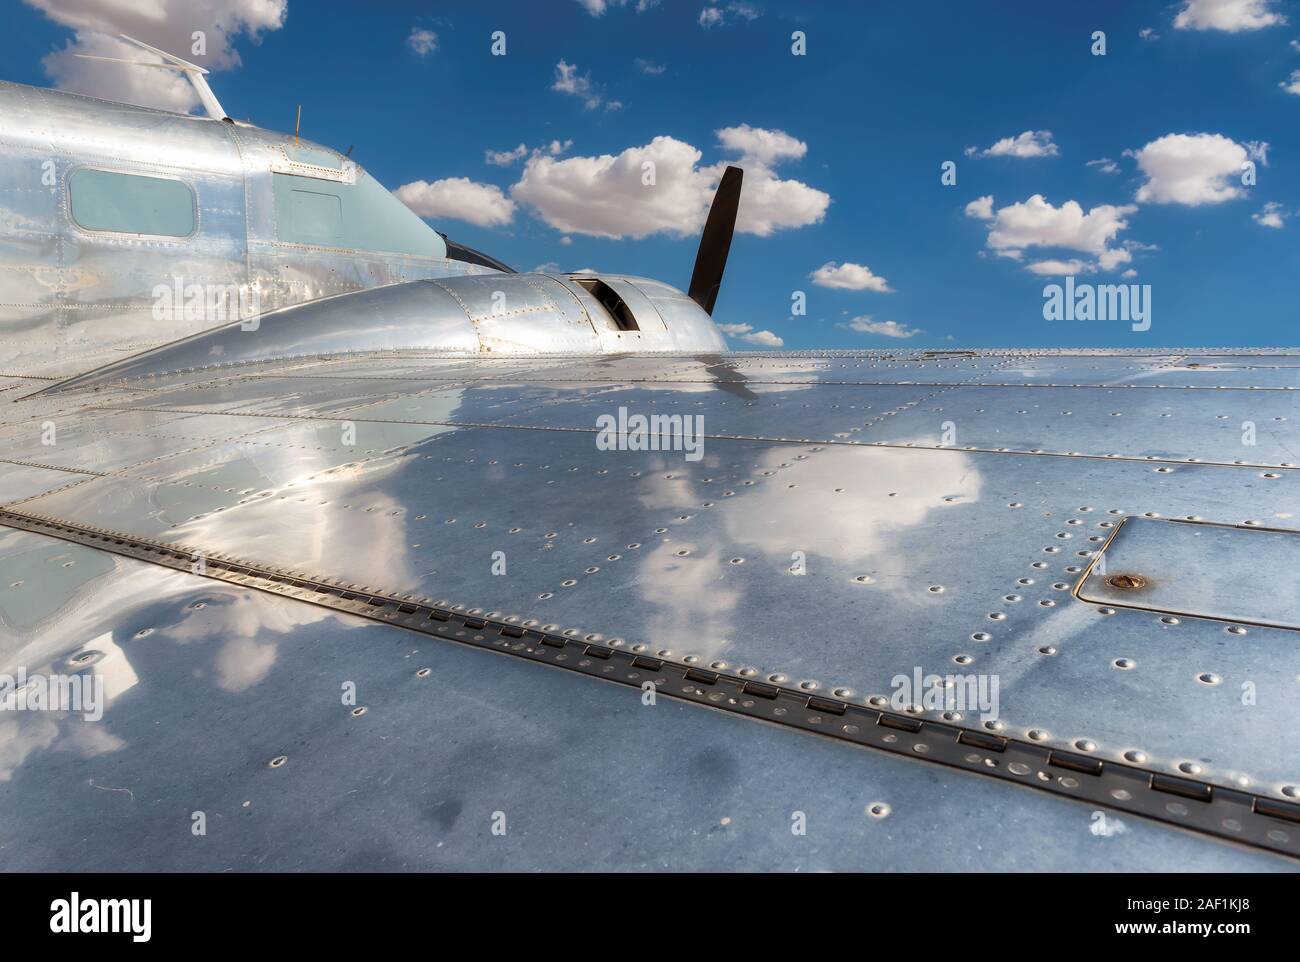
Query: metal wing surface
[1091, 553]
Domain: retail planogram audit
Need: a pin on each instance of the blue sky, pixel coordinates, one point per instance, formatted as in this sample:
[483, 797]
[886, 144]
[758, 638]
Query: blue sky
[843, 146]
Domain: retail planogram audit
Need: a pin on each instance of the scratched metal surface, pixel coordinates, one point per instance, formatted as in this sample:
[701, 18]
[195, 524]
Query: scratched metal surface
[953, 554]
[206, 682]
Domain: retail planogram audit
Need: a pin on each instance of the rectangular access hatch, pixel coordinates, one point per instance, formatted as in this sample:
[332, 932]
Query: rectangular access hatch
[1227, 572]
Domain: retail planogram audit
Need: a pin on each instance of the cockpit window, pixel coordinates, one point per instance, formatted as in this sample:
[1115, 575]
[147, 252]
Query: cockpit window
[109, 200]
[361, 216]
[314, 155]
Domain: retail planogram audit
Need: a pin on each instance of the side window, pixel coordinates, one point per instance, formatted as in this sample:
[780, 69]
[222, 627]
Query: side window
[361, 216]
[314, 218]
[131, 203]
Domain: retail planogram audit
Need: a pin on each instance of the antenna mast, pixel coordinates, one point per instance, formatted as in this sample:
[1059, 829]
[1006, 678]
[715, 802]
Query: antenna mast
[193, 72]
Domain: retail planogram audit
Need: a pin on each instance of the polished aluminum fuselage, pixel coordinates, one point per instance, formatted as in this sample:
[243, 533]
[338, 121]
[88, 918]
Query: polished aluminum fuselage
[72, 299]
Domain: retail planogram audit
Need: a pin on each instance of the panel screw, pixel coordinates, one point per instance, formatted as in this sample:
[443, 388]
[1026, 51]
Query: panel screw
[1126, 582]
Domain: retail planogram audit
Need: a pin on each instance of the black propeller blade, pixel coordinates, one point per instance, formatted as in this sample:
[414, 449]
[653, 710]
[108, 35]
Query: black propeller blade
[715, 242]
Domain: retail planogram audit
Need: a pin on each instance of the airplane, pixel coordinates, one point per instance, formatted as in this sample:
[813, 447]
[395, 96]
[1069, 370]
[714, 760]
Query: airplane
[134, 227]
[314, 555]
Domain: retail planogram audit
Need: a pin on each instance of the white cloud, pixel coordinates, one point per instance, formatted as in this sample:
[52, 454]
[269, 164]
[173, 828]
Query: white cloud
[1230, 15]
[1130, 273]
[649, 67]
[746, 332]
[605, 196]
[714, 16]
[1108, 260]
[981, 208]
[166, 24]
[1104, 164]
[849, 277]
[1060, 267]
[1147, 33]
[598, 8]
[1194, 169]
[863, 324]
[458, 198]
[1031, 143]
[1036, 223]
[569, 81]
[760, 147]
[1292, 83]
[1271, 216]
[423, 42]
[506, 158]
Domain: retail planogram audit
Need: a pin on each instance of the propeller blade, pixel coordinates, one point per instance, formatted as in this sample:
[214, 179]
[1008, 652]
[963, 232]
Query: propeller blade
[715, 242]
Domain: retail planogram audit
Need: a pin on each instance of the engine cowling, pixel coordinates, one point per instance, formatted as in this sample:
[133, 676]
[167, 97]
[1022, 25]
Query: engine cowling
[486, 313]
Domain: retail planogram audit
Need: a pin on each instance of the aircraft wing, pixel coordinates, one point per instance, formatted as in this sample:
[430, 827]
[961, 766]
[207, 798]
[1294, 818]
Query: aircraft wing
[418, 610]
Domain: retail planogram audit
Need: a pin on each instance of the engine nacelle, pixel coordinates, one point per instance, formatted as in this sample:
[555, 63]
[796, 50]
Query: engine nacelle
[489, 313]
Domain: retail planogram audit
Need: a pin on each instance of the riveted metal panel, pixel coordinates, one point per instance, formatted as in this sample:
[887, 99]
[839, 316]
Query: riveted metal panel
[254, 678]
[1236, 573]
[930, 558]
